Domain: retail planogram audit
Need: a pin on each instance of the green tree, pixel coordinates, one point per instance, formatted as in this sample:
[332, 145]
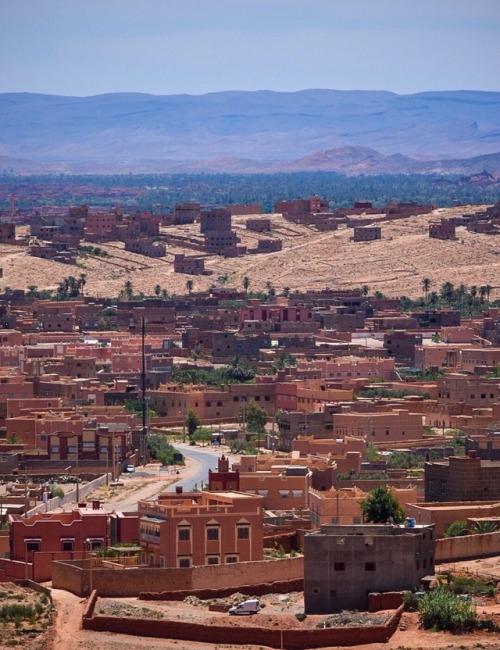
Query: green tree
[192, 421]
[426, 283]
[157, 290]
[365, 290]
[381, 506]
[404, 460]
[203, 435]
[271, 291]
[246, 283]
[372, 453]
[255, 417]
[456, 529]
[128, 290]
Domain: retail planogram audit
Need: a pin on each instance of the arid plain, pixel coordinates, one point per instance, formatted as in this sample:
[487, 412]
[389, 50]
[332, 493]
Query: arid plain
[394, 265]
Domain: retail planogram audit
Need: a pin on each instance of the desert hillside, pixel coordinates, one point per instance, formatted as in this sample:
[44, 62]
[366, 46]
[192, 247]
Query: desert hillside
[395, 265]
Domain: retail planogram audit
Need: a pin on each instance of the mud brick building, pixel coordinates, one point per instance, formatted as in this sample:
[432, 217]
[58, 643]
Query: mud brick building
[201, 528]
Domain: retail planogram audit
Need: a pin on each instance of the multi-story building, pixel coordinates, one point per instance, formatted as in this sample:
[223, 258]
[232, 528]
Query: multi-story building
[343, 505]
[201, 528]
[398, 425]
[462, 478]
[343, 564]
[367, 233]
[185, 213]
[442, 230]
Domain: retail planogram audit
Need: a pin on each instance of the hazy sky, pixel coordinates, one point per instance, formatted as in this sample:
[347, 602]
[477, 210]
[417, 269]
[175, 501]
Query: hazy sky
[88, 47]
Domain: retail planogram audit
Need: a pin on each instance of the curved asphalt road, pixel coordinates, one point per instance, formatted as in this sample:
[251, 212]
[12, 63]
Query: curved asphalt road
[203, 458]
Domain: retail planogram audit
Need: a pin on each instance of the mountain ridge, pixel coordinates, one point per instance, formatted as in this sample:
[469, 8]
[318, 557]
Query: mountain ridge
[270, 130]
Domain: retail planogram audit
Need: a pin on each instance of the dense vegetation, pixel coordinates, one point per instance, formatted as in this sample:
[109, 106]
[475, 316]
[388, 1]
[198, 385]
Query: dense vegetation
[163, 191]
[160, 449]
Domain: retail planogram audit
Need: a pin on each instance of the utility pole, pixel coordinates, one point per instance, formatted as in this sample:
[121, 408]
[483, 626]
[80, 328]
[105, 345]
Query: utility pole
[143, 386]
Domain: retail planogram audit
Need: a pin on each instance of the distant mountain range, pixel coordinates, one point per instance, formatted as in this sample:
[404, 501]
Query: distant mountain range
[352, 132]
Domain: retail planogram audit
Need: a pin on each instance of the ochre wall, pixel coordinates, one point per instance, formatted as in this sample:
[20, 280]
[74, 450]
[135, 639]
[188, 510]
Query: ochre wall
[75, 577]
[293, 639]
[468, 546]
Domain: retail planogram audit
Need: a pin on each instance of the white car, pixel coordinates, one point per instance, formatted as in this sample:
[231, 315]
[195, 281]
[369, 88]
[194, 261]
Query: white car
[130, 468]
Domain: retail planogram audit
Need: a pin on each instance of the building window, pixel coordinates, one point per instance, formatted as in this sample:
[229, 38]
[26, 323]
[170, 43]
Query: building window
[443, 488]
[212, 560]
[67, 544]
[184, 563]
[212, 533]
[369, 566]
[356, 520]
[33, 545]
[184, 534]
[431, 486]
[339, 566]
[243, 532]
[231, 559]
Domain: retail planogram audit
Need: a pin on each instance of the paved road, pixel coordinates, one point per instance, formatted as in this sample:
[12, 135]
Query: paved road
[202, 459]
[147, 482]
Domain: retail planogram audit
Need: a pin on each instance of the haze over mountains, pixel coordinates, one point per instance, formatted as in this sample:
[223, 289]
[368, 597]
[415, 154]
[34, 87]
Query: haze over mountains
[351, 132]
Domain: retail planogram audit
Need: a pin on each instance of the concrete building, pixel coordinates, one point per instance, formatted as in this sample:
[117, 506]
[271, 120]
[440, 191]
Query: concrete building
[201, 528]
[258, 224]
[186, 213]
[343, 564]
[189, 264]
[442, 230]
[367, 233]
[462, 478]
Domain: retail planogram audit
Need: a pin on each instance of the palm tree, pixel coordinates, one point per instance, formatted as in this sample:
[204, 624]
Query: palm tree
[488, 289]
[482, 293]
[128, 290]
[286, 291]
[246, 283]
[157, 290]
[426, 283]
[365, 290]
[271, 291]
[189, 285]
[447, 290]
[82, 281]
[32, 291]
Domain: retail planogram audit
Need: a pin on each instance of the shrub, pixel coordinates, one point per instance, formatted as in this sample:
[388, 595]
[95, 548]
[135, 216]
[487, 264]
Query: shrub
[301, 616]
[443, 610]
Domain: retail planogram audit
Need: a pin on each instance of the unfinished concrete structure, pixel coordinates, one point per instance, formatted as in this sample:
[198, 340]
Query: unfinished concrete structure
[367, 233]
[343, 564]
[443, 229]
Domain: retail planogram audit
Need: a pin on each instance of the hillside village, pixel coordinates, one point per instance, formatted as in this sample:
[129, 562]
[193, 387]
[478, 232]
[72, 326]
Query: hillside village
[325, 393]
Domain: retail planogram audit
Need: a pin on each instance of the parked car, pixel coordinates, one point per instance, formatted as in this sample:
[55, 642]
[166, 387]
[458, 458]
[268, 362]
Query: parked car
[249, 607]
[130, 468]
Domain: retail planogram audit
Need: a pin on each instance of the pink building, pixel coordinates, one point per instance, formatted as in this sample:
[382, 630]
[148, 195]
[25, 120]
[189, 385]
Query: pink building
[201, 528]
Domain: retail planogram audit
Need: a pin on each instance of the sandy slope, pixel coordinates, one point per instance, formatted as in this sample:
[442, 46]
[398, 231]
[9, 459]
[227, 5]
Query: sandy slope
[394, 265]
